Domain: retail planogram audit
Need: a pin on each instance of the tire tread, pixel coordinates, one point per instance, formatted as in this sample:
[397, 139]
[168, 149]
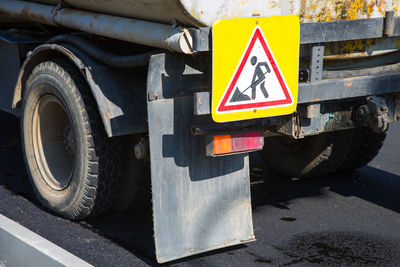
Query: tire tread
[101, 182]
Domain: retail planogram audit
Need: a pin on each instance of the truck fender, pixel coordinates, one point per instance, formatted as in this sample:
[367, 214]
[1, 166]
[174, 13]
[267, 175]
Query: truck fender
[120, 94]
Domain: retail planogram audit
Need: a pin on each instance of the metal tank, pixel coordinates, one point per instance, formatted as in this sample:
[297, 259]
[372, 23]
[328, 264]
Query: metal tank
[161, 23]
[187, 12]
[205, 12]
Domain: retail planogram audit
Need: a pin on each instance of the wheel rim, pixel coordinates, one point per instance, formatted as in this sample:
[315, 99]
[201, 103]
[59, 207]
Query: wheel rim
[53, 142]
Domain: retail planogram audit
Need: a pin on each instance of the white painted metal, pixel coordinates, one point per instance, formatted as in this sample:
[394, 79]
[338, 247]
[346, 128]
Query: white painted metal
[188, 12]
[205, 12]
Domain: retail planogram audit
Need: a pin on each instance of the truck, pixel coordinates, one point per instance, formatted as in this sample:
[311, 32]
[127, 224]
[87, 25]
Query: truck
[109, 91]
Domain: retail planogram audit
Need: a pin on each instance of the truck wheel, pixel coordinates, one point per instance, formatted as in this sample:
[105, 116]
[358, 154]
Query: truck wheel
[365, 147]
[73, 166]
[308, 157]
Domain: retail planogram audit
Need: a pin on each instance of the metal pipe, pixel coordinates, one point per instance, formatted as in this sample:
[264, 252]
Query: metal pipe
[28, 11]
[158, 35]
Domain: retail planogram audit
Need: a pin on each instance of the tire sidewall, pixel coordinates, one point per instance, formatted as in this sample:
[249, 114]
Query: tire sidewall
[44, 82]
[316, 156]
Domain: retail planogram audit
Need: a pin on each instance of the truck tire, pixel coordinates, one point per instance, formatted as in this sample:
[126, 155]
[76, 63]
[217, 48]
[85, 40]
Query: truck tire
[365, 147]
[311, 156]
[72, 165]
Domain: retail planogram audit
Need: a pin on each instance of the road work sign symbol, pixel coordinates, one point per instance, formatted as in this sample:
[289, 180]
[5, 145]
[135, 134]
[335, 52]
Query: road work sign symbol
[258, 81]
[257, 84]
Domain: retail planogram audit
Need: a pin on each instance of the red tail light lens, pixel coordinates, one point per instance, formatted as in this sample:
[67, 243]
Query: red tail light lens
[235, 143]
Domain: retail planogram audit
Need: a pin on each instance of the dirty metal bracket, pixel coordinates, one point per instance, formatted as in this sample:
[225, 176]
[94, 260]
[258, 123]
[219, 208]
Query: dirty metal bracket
[317, 63]
[202, 101]
[199, 203]
[326, 90]
[201, 39]
[337, 89]
[392, 25]
[344, 30]
[389, 25]
[375, 114]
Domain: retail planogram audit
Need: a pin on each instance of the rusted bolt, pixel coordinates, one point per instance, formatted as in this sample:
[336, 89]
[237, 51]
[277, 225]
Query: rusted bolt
[141, 150]
[155, 96]
[195, 130]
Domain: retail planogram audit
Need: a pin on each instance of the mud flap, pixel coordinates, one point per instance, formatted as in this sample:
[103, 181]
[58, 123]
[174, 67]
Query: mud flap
[199, 203]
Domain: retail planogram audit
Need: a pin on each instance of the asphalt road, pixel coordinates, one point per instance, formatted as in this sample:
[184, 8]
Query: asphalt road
[346, 219]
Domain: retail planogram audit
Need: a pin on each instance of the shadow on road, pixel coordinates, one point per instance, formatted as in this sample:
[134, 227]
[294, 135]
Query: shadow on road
[370, 184]
[133, 229]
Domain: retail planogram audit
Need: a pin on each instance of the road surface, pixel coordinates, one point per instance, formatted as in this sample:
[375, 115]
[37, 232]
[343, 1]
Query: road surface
[347, 219]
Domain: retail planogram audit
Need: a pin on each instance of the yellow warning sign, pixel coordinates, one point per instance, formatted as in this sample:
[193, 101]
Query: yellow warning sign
[255, 67]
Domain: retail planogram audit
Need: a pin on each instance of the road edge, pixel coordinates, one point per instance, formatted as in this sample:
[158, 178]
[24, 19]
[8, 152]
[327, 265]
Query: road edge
[20, 246]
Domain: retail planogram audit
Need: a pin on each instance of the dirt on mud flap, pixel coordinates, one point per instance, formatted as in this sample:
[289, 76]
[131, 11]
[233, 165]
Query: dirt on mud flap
[200, 203]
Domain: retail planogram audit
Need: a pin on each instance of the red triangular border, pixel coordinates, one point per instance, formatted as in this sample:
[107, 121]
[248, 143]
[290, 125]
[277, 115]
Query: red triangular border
[222, 106]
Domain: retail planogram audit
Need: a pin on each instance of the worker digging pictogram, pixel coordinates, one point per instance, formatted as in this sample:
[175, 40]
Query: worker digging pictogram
[258, 79]
[257, 82]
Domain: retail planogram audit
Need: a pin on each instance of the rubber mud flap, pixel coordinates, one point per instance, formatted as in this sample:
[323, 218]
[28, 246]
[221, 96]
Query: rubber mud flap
[199, 203]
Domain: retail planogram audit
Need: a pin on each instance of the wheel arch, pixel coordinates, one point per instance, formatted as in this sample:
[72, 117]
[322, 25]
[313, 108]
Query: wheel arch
[118, 96]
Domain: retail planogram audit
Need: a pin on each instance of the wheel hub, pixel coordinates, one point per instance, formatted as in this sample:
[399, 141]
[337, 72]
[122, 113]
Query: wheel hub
[54, 142]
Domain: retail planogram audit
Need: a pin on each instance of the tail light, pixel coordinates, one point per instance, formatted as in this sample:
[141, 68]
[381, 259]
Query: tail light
[220, 145]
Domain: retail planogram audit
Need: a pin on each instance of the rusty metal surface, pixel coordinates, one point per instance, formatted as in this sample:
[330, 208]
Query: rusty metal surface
[328, 10]
[202, 103]
[27, 11]
[199, 203]
[159, 35]
[188, 12]
[361, 33]
[205, 12]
